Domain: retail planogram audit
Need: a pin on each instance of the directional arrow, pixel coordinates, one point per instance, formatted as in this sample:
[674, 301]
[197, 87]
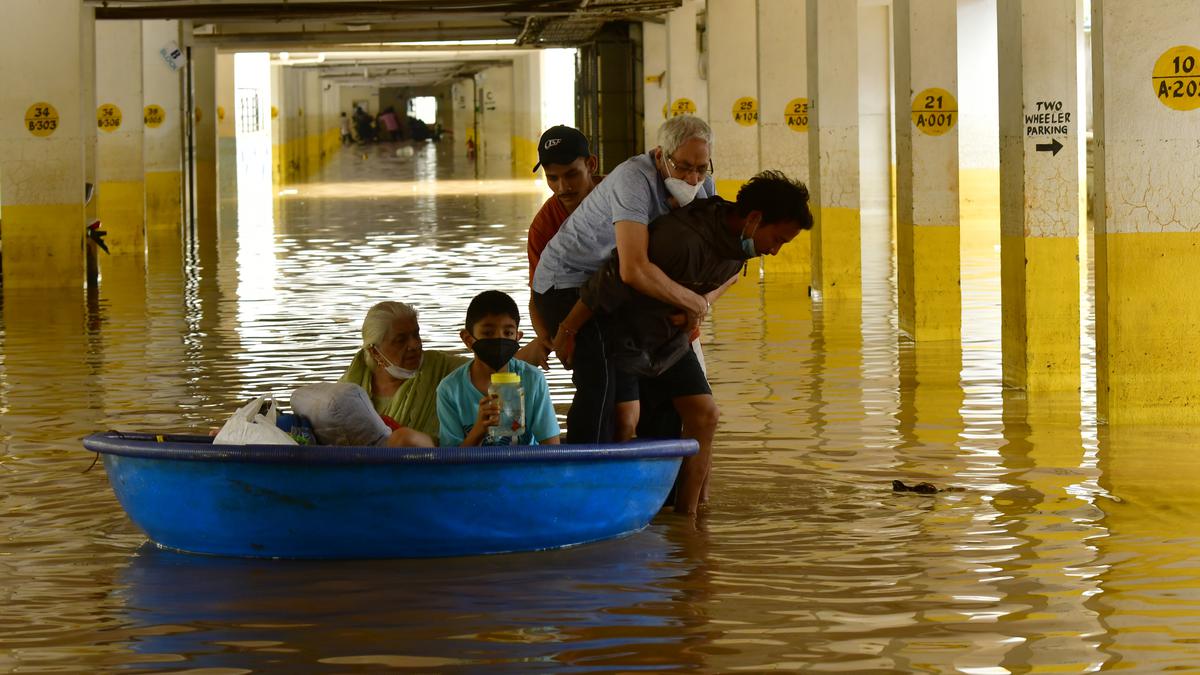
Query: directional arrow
[1053, 146]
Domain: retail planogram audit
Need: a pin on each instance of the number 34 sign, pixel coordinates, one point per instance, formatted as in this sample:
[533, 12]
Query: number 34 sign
[41, 119]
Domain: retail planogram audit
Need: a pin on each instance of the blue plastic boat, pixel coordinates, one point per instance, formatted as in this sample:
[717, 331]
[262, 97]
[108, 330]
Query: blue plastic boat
[282, 501]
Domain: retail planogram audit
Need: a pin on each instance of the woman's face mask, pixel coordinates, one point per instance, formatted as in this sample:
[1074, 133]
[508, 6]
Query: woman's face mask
[495, 352]
[395, 370]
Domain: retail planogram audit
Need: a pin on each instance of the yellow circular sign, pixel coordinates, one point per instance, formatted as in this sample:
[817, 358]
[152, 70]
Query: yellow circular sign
[795, 114]
[108, 117]
[153, 116]
[1176, 78]
[745, 111]
[199, 115]
[683, 106]
[220, 113]
[274, 112]
[934, 111]
[41, 119]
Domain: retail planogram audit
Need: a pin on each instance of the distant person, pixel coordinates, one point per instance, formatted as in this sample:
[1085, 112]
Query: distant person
[401, 376]
[347, 138]
[389, 125]
[701, 246]
[465, 409]
[616, 215]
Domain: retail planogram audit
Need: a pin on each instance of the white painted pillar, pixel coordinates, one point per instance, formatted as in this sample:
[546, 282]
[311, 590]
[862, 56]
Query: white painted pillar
[783, 117]
[50, 112]
[278, 133]
[927, 217]
[120, 177]
[733, 92]
[527, 112]
[686, 89]
[832, 30]
[462, 94]
[1039, 188]
[1146, 84]
[310, 121]
[654, 85]
[495, 87]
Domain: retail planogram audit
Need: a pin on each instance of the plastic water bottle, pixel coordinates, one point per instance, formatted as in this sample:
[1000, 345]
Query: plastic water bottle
[510, 396]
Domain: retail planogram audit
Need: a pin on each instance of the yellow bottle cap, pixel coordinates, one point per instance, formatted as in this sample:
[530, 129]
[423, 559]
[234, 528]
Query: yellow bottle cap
[506, 378]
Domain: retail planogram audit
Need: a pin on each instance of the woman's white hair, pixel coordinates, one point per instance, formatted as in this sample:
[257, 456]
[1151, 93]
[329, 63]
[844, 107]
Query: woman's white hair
[681, 129]
[379, 321]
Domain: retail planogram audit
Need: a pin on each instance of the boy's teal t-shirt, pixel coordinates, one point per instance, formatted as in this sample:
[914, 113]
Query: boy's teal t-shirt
[458, 405]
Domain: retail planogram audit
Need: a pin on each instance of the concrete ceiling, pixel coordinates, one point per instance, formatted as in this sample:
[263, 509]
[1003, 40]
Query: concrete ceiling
[371, 41]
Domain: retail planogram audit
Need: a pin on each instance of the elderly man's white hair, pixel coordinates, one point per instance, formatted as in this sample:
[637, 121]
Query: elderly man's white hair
[379, 321]
[681, 129]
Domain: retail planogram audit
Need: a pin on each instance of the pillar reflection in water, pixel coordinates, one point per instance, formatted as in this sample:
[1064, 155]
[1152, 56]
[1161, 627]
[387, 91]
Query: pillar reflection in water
[1152, 516]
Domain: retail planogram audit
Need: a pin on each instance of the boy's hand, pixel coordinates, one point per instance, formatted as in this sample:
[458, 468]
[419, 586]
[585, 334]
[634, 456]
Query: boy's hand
[489, 412]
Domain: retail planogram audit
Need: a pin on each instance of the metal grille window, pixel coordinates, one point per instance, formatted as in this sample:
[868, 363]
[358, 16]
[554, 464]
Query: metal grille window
[249, 117]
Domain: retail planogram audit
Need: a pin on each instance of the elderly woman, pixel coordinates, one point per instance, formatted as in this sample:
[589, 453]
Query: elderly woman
[399, 375]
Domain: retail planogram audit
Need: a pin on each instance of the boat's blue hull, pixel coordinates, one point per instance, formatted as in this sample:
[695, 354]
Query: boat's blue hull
[305, 502]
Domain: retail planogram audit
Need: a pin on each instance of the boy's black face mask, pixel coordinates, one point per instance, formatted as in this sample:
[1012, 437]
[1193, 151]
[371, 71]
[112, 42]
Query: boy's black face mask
[495, 352]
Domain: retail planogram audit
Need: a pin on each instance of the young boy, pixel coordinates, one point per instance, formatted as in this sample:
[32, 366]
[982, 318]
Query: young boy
[465, 410]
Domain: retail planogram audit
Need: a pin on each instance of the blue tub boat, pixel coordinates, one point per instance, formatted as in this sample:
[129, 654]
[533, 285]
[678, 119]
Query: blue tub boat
[282, 501]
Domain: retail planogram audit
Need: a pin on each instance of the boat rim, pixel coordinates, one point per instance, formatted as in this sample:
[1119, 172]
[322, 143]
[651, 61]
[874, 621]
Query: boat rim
[201, 449]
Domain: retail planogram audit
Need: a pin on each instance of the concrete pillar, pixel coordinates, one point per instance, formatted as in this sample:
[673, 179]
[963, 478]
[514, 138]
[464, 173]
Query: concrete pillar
[978, 127]
[927, 218]
[495, 92]
[1039, 188]
[120, 178]
[783, 112]
[527, 112]
[204, 135]
[462, 94]
[50, 113]
[686, 90]
[733, 92]
[226, 128]
[654, 86]
[278, 135]
[310, 119]
[832, 30]
[1146, 59]
[163, 121]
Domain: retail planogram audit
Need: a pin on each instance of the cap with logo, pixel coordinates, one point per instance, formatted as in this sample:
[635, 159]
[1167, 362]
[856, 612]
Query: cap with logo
[561, 145]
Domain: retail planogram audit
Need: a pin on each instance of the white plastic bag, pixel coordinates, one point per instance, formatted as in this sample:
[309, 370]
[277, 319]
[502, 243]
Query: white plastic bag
[249, 427]
[341, 414]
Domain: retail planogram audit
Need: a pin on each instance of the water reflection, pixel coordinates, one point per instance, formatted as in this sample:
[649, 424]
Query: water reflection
[1060, 546]
[604, 605]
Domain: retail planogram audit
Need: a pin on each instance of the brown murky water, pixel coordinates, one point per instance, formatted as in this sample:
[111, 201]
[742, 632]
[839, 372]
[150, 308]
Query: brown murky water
[1069, 548]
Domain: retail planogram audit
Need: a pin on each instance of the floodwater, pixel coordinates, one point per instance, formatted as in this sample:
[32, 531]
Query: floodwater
[1065, 546]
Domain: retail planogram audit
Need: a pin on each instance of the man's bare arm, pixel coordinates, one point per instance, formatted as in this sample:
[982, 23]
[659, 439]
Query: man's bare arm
[633, 240]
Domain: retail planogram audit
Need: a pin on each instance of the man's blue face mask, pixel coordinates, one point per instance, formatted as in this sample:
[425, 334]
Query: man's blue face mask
[748, 242]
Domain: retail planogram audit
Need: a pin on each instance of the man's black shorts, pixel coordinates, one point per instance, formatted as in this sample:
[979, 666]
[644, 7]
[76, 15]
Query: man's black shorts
[658, 418]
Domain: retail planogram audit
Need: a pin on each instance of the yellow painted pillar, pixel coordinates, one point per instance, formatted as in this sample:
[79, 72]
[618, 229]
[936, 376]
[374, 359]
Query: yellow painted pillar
[832, 34]
[279, 136]
[783, 114]
[1147, 129]
[927, 218]
[204, 138]
[49, 113]
[120, 177]
[527, 112]
[162, 117]
[1039, 187]
[686, 91]
[733, 92]
[310, 120]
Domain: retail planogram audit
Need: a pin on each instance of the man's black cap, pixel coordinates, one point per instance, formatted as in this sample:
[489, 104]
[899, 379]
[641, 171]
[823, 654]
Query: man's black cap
[561, 145]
